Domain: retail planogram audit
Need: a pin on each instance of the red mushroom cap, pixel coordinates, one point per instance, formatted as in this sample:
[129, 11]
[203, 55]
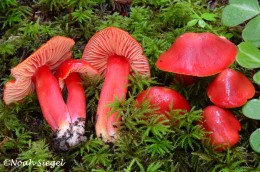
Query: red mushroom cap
[198, 54]
[114, 41]
[223, 125]
[230, 89]
[163, 98]
[73, 65]
[51, 54]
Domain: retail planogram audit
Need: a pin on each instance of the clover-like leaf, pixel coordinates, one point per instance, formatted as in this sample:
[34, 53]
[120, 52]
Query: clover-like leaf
[255, 140]
[202, 23]
[252, 109]
[209, 16]
[256, 77]
[248, 55]
[251, 32]
[239, 11]
[192, 22]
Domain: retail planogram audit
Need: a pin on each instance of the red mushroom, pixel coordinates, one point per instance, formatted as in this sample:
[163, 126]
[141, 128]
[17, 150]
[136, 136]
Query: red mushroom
[76, 100]
[230, 89]
[36, 72]
[115, 54]
[163, 98]
[73, 65]
[198, 54]
[223, 127]
[51, 54]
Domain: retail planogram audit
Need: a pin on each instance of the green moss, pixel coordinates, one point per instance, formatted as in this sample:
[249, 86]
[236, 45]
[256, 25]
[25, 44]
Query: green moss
[144, 143]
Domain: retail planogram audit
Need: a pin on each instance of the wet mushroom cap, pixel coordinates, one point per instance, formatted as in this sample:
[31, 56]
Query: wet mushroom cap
[114, 41]
[198, 54]
[51, 54]
[230, 89]
[163, 98]
[222, 125]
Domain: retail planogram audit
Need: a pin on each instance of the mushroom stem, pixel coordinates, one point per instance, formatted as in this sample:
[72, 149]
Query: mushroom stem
[115, 86]
[76, 101]
[66, 120]
[50, 98]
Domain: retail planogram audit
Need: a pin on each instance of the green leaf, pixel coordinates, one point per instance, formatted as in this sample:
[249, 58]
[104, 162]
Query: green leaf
[239, 11]
[252, 109]
[251, 32]
[209, 16]
[202, 23]
[256, 77]
[248, 55]
[192, 22]
[255, 140]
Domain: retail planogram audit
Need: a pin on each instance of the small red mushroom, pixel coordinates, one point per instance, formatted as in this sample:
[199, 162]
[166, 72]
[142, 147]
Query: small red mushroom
[223, 127]
[115, 54]
[67, 72]
[230, 89]
[163, 98]
[198, 54]
[36, 72]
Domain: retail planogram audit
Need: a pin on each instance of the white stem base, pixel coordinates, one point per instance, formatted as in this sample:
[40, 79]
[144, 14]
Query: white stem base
[70, 136]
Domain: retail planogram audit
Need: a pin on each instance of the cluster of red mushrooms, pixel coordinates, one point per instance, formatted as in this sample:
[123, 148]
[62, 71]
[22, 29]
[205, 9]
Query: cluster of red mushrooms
[114, 54]
[205, 54]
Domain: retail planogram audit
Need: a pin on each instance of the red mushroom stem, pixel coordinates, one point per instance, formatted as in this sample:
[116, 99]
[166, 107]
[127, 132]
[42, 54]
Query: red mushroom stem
[50, 98]
[76, 101]
[67, 120]
[76, 106]
[115, 86]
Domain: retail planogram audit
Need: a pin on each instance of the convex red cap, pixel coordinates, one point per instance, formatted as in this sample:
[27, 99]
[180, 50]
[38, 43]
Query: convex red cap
[163, 98]
[223, 126]
[230, 89]
[198, 54]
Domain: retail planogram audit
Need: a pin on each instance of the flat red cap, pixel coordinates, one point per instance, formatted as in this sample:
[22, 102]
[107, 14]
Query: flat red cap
[198, 54]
